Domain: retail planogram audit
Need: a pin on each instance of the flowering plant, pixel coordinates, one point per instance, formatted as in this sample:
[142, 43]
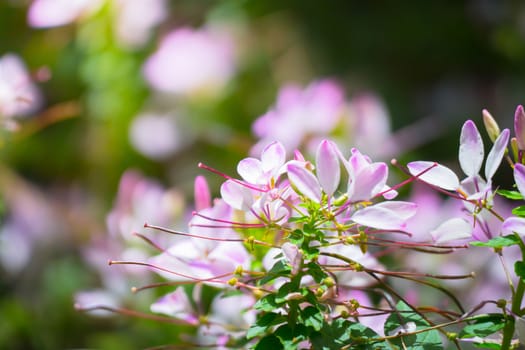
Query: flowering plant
[293, 255]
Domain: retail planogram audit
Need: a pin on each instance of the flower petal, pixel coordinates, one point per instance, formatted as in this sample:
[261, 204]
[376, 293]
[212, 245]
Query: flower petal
[382, 216]
[250, 170]
[471, 152]
[273, 156]
[436, 174]
[519, 177]
[519, 127]
[202, 193]
[496, 154]
[304, 181]
[327, 165]
[236, 195]
[452, 230]
[368, 182]
[513, 224]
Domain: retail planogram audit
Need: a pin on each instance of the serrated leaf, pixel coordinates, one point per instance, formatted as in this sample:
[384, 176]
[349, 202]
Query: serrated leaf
[519, 269]
[514, 195]
[264, 323]
[519, 211]
[269, 342]
[483, 326]
[283, 292]
[429, 340]
[498, 242]
[494, 346]
[279, 269]
[291, 336]
[266, 303]
[316, 272]
[343, 333]
[312, 317]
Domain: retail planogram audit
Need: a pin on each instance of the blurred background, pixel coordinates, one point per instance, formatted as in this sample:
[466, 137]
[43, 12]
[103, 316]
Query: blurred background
[107, 106]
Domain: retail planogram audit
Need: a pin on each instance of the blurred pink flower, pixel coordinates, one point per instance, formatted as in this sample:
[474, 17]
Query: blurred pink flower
[53, 13]
[191, 61]
[18, 95]
[300, 113]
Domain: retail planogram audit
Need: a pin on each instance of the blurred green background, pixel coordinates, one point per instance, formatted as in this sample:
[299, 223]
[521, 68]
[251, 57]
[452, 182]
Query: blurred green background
[438, 62]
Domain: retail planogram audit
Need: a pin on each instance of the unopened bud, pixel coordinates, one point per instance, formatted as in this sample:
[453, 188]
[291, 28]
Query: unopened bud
[490, 125]
[294, 296]
[519, 127]
[515, 149]
[238, 270]
[233, 281]
[329, 282]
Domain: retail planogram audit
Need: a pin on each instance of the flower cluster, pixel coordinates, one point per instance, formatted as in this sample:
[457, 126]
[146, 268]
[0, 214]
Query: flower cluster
[293, 255]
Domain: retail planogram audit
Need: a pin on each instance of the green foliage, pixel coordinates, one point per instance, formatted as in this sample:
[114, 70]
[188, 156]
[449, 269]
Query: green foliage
[498, 242]
[514, 195]
[404, 314]
[519, 211]
[483, 326]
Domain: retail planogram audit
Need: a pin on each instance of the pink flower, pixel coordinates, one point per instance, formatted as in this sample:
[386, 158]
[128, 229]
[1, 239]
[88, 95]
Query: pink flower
[190, 60]
[299, 113]
[53, 13]
[519, 127]
[18, 94]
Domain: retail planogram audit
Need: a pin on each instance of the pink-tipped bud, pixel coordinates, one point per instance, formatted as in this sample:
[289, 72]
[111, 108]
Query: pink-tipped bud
[328, 168]
[519, 127]
[491, 126]
[202, 193]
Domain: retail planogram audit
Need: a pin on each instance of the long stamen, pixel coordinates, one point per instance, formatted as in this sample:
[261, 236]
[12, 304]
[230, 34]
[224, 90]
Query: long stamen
[160, 268]
[195, 213]
[178, 233]
[227, 177]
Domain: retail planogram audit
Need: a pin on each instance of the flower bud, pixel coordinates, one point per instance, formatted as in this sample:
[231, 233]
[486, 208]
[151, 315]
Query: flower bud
[519, 127]
[490, 125]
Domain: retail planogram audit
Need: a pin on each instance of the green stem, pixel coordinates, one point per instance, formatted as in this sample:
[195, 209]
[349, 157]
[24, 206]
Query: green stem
[517, 299]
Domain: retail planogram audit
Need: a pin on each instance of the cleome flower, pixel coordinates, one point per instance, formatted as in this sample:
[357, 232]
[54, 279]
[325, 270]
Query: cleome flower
[474, 190]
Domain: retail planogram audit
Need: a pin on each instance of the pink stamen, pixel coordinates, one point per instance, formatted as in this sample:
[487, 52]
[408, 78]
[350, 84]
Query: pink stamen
[227, 177]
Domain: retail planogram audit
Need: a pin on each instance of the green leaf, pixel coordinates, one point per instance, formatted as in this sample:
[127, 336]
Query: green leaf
[291, 336]
[495, 346]
[345, 333]
[519, 269]
[316, 272]
[429, 340]
[483, 326]
[264, 323]
[282, 294]
[312, 317]
[519, 211]
[296, 237]
[498, 242]
[266, 303]
[279, 269]
[269, 342]
[514, 195]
